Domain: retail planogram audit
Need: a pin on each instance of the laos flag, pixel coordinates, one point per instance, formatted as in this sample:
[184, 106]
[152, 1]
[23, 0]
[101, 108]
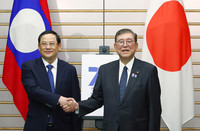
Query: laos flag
[28, 19]
[167, 45]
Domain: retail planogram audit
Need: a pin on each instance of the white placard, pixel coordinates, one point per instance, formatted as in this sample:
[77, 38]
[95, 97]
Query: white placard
[90, 66]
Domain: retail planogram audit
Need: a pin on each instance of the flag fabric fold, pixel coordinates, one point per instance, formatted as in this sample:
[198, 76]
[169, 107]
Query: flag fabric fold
[28, 19]
[167, 45]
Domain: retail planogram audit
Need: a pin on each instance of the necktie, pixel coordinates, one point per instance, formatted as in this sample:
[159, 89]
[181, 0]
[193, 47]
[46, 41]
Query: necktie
[122, 84]
[50, 74]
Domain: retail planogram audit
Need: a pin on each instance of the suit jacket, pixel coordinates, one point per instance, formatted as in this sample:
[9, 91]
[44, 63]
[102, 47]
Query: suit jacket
[43, 103]
[140, 109]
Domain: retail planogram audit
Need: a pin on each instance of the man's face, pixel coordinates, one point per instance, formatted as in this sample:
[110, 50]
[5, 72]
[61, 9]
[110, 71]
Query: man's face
[49, 47]
[126, 46]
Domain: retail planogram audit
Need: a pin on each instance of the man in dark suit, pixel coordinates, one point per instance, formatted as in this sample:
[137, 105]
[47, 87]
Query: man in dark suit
[128, 88]
[47, 89]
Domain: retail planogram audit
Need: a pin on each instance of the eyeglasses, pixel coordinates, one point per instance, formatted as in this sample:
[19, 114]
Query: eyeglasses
[45, 44]
[128, 42]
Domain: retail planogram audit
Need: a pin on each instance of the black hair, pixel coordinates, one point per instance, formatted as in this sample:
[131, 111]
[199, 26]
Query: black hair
[49, 32]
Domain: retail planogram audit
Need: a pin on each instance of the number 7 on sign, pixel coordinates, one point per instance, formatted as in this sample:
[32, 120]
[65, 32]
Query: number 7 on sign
[93, 69]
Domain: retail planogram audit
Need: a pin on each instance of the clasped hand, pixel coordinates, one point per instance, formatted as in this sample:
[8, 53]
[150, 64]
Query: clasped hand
[68, 104]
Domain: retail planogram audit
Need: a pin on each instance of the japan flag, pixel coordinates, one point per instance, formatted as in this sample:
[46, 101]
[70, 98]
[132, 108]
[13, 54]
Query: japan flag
[167, 45]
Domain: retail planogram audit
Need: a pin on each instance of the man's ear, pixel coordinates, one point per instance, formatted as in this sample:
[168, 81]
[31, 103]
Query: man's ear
[136, 44]
[59, 46]
[39, 46]
[115, 45]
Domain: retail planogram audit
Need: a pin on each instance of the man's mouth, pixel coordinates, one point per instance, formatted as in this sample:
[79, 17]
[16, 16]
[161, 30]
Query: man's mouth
[125, 51]
[48, 52]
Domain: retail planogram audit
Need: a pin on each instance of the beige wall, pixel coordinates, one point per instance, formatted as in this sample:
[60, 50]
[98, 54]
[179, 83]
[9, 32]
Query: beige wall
[80, 25]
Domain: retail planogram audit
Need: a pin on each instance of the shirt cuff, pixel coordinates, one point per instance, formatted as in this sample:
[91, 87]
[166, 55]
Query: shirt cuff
[77, 111]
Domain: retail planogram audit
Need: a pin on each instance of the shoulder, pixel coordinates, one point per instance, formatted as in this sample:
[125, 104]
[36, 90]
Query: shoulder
[110, 64]
[65, 64]
[146, 67]
[144, 63]
[32, 62]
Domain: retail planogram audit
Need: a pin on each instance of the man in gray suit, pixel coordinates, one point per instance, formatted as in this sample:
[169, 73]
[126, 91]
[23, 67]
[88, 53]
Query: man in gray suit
[128, 88]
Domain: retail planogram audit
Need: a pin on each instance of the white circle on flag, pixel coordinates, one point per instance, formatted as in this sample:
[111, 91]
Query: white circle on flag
[25, 29]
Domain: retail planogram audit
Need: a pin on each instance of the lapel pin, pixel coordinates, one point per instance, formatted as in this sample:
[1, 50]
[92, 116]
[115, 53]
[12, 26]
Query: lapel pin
[132, 74]
[135, 75]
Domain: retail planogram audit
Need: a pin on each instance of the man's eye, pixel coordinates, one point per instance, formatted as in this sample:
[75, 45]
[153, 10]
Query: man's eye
[44, 43]
[52, 44]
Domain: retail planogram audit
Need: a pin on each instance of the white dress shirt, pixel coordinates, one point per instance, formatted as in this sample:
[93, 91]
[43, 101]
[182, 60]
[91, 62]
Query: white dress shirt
[53, 70]
[129, 67]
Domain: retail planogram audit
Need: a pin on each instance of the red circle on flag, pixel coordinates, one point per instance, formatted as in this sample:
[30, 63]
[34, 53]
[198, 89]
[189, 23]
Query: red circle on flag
[168, 37]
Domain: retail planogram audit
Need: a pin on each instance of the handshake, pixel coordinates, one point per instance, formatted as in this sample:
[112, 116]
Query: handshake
[68, 104]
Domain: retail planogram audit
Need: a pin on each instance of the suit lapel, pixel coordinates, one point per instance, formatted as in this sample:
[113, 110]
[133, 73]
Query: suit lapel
[116, 80]
[43, 74]
[60, 69]
[132, 78]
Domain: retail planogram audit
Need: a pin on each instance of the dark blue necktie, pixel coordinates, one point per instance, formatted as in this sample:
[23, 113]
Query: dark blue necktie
[122, 84]
[50, 74]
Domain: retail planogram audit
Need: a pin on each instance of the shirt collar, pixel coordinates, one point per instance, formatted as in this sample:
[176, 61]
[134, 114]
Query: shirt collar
[128, 65]
[54, 64]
